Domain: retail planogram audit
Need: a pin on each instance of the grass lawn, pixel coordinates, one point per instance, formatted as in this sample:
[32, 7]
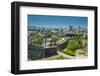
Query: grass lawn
[69, 52]
[80, 51]
[57, 57]
[60, 57]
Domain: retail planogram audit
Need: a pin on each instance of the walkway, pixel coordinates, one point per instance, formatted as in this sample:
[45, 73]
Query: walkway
[65, 55]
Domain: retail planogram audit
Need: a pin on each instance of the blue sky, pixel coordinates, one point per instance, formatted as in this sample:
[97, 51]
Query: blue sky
[56, 21]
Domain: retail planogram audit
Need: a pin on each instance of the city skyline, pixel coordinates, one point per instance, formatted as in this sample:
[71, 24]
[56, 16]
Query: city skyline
[48, 21]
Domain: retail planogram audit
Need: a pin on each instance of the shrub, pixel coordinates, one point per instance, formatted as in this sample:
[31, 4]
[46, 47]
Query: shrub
[73, 45]
[61, 57]
[70, 52]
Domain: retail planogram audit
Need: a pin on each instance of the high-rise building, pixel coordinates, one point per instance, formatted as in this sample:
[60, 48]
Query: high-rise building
[79, 28]
[70, 28]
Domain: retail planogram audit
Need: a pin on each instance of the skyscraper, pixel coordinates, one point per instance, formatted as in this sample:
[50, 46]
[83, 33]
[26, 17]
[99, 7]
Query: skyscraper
[70, 28]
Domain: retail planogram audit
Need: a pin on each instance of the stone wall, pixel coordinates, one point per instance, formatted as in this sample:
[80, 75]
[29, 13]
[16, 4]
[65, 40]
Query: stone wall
[40, 52]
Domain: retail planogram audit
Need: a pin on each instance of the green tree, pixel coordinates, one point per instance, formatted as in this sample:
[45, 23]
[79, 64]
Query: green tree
[79, 38]
[35, 39]
[54, 40]
[34, 34]
[73, 45]
[48, 33]
[61, 34]
[38, 41]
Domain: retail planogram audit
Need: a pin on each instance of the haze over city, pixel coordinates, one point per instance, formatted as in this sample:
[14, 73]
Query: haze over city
[48, 21]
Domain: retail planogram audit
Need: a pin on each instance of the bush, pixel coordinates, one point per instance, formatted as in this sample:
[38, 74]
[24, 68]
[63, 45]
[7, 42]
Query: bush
[70, 52]
[80, 51]
[48, 34]
[54, 40]
[38, 41]
[73, 45]
[35, 57]
[61, 57]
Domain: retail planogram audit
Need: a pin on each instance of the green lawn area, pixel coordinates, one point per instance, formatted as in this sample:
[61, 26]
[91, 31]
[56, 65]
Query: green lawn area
[60, 57]
[80, 51]
[69, 52]
[57, 57]
[72, 53]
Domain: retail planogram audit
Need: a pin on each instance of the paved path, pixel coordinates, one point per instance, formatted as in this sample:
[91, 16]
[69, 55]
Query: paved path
[65, 55]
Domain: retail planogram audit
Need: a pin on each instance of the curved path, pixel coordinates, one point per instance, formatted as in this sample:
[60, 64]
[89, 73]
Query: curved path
[65, 55]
